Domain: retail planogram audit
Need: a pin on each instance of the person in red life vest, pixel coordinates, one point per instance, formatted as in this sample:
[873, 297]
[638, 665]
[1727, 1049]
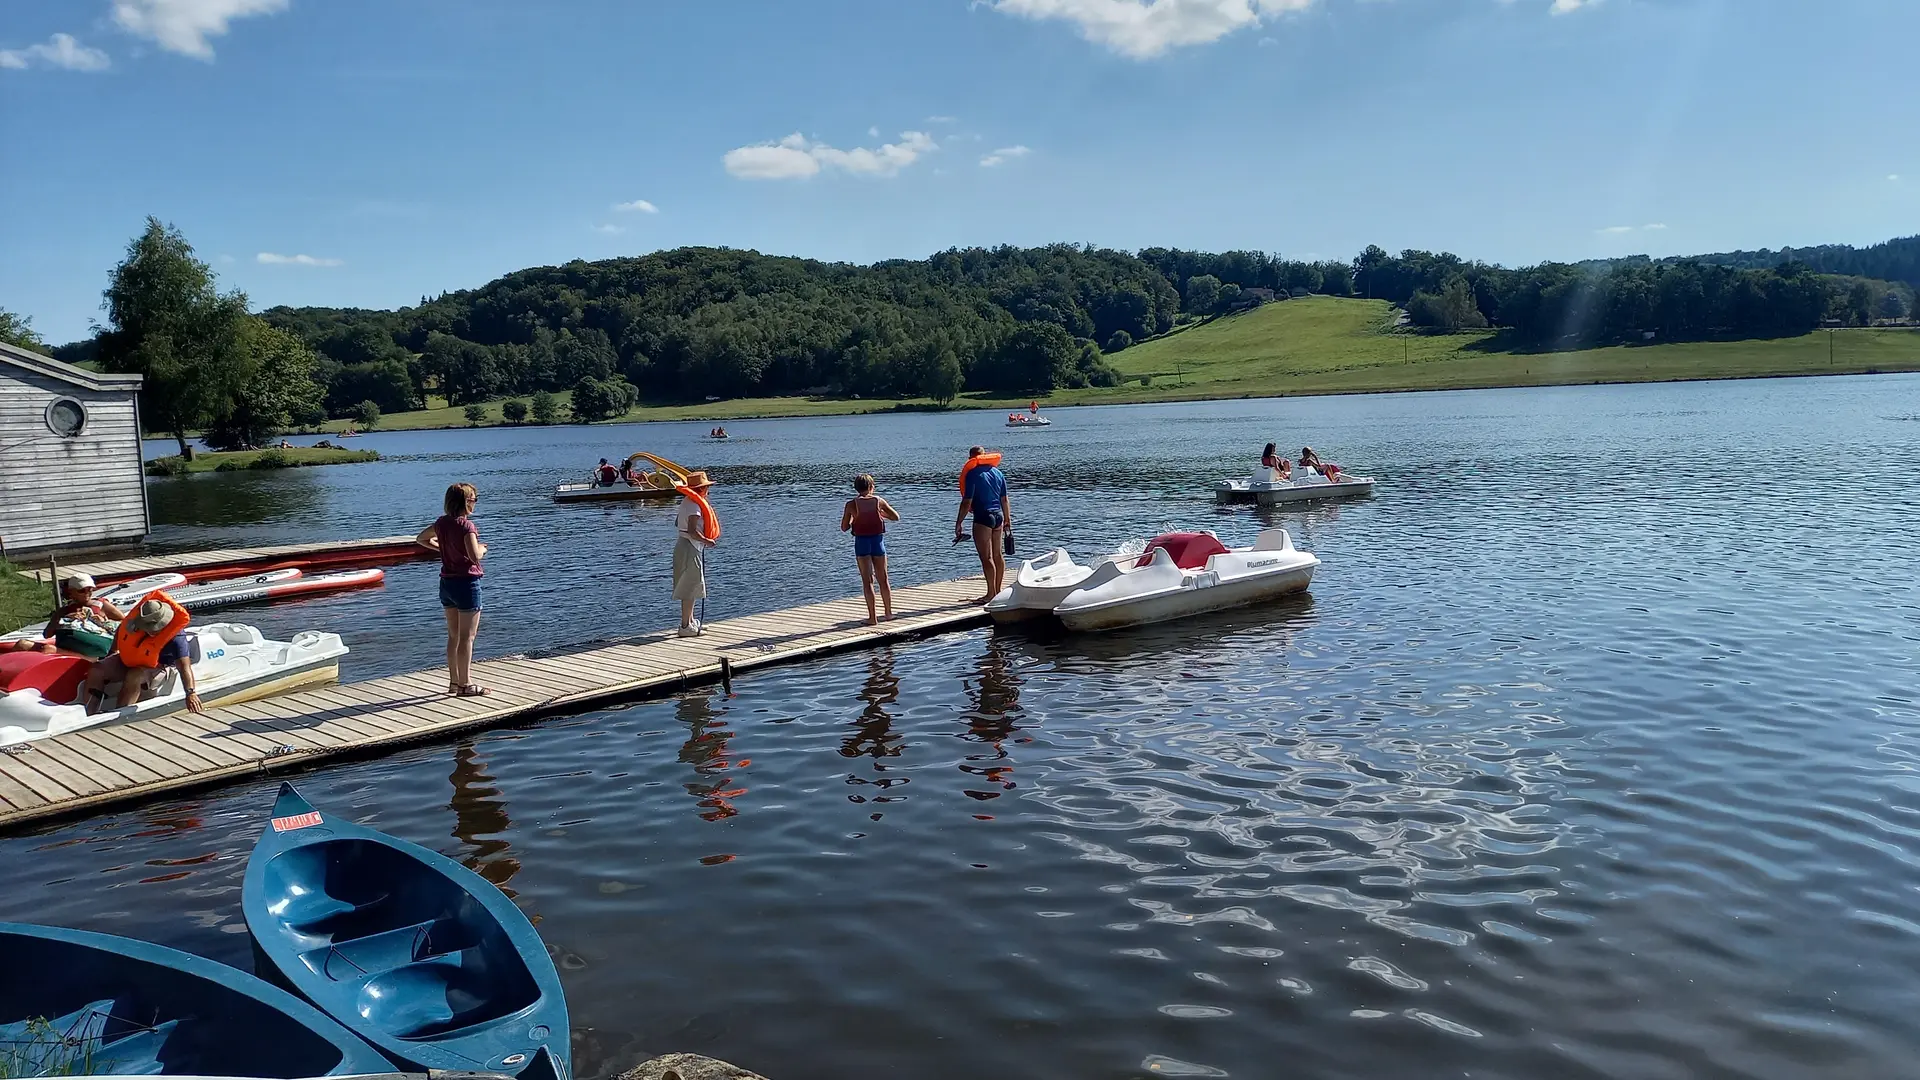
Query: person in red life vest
[696, 529]
[454, 536]
[606, 473]
[146, 643]
[866, 516]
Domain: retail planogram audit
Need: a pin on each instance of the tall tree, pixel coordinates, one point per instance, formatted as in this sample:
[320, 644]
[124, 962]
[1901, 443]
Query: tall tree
[17, 330]
[1203, 294]
[279, 391]
[169, 324]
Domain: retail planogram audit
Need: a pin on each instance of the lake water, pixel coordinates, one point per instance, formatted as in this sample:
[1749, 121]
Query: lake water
[1594, 752]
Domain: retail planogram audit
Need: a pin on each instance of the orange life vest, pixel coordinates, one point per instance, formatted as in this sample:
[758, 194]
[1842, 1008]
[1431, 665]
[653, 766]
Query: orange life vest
[709, 522]
[992, 457]
[140, 649]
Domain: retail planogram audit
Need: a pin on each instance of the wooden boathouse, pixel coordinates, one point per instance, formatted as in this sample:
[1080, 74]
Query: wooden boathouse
[70, 471]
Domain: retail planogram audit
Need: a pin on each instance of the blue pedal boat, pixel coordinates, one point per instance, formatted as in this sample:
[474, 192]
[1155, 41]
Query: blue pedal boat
[413, 952]
[74, 1003]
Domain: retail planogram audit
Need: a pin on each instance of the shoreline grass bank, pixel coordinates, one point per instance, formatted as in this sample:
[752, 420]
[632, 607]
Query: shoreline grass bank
[298, 457]
[22, 600]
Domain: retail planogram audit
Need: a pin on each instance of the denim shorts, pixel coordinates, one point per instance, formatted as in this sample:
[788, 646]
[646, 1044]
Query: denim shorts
[870, 545]
[460, 593]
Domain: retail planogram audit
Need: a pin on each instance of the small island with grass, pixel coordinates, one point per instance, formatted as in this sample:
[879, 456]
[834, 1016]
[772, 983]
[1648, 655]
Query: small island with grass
[238, 460]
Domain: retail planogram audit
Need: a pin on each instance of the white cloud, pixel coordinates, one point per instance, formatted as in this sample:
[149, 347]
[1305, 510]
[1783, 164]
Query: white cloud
[797, 157]
[1004, 155]
[943, 119]
[224, 259]
[1563, 7]
[641, 206]
[183, 26]
[58, 51]
[873, 133]
[1142, 29]
[1895, 177]
[272, 259]
[1617, 230]
[610, 229]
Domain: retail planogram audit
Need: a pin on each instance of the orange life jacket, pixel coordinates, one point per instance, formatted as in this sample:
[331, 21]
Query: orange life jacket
[709, 522]
[992, 457]
[140, 649]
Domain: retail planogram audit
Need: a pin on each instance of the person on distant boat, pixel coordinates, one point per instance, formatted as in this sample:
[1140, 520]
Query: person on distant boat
[1311, 460]
[696, 530]
[147, 642]
[454, 536]
[866, 516]
[985, 497]
[606, 474]
[1033, 407]
[1281, 467]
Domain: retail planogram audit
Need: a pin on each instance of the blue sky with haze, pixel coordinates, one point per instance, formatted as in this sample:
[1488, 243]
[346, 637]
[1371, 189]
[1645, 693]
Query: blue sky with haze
[366, 152]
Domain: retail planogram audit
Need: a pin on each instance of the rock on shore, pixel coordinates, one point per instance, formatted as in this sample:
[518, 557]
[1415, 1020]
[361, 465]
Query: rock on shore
[687, 1067]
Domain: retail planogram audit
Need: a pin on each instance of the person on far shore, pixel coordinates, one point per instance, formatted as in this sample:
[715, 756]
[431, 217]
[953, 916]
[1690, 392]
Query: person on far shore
[453, 535]
[866, 516]
[985, 497]
[1272, 459]
[696, 529]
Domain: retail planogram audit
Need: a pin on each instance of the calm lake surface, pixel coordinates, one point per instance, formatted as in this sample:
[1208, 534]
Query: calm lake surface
[1595, 751]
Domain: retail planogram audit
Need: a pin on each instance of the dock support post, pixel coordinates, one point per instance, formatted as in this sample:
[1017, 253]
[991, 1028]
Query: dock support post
[726, 676]
[53, 579]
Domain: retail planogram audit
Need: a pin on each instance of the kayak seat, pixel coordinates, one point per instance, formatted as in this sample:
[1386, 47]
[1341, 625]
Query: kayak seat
[442, 994]
[325, 916]
[89, 1040]
[135, 1054]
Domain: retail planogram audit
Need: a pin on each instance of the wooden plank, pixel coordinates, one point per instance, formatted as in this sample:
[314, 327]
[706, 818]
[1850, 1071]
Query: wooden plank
[186, 753]
[359, 714]
[62, 783]
[207, 731]
[105, 770]
[22, 796]
[106, 748]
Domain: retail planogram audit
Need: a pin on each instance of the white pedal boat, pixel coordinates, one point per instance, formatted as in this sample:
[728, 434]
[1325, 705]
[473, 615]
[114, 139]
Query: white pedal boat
[1030, 421]
[1187, 574]
[1266, 488]
[41, 693]
[1040, 584]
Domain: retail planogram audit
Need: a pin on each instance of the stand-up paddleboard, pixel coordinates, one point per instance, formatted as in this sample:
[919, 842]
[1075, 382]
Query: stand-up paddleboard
[122, 595]
[274, 585]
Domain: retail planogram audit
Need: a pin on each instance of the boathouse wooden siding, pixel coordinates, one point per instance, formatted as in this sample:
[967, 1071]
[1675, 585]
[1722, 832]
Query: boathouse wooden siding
[85, 491]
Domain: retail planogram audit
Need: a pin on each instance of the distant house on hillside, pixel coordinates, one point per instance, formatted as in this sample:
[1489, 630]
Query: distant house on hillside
[70, 469]
[1253, 298]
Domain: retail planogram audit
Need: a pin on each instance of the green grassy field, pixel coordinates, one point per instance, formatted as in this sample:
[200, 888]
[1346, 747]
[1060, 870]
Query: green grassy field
[22, 599]
[1324, 345]
[297, 457]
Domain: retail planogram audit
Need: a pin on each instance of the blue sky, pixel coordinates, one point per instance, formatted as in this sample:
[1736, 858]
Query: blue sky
[366, 152]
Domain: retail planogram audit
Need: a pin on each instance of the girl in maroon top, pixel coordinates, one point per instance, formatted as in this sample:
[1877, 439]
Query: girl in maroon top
[458, 542]
[866, 516]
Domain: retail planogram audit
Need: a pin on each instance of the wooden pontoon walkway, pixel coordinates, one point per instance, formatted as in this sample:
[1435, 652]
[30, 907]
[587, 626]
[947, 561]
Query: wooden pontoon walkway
[135, 566]
[84, 770]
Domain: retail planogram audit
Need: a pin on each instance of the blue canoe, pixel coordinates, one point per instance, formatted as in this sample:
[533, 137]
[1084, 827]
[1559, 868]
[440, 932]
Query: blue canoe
[77, 1003]
[413, 952]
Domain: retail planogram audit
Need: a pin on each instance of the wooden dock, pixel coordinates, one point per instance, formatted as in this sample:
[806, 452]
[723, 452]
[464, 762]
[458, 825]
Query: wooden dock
[342, 551]
[85, 770]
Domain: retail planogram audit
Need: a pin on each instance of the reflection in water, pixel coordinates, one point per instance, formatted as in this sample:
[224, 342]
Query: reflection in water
[994, 696]
[707, 751]
[480, 818]
[873, 735]
[236, 498]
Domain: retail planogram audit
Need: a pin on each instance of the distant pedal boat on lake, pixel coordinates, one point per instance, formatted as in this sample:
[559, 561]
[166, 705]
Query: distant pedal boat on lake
[413, 952]
[658, 484]
[1269, 490]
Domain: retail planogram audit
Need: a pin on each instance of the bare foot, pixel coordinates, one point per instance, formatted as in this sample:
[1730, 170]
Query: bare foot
[871, 621]
[980, 599]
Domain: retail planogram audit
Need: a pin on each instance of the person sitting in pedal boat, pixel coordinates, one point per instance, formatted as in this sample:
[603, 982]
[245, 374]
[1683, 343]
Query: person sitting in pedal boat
[606, 473]
[1311, 460]
[1275, 466]
[146, 643]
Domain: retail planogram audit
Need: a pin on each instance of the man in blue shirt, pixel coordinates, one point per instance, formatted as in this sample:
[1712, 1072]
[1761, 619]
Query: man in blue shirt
[984, 495]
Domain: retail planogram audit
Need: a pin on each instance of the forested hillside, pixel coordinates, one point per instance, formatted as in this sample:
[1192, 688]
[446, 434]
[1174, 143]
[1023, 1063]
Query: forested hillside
[699, 322]
[1895, 260]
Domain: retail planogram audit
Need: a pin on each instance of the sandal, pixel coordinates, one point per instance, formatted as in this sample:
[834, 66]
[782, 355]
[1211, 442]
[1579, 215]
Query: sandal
[472, 690]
